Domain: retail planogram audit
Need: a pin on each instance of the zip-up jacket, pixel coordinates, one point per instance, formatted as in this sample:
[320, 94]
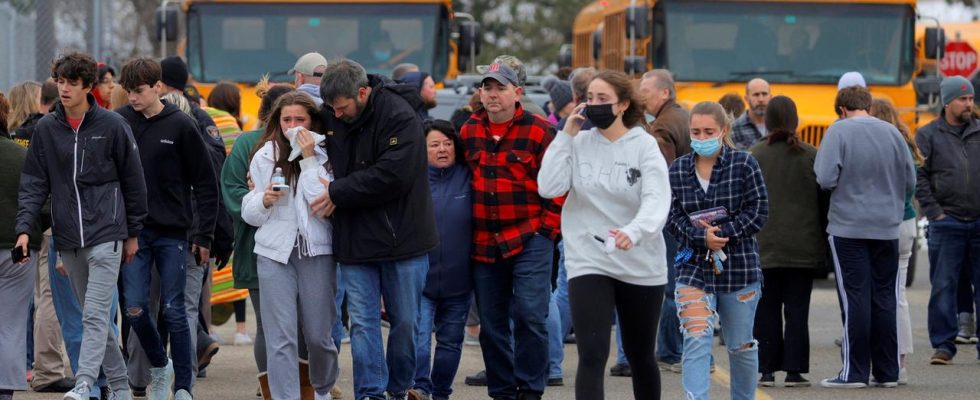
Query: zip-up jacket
[449, 263]
[93, 175]
[384, 207]
[949, 180]
[175, 164]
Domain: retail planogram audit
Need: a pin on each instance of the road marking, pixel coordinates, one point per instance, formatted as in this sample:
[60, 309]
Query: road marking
[721, 376]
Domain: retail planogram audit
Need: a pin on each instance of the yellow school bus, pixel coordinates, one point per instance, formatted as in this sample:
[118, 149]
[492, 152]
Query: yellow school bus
[241, 40]
[801, 47]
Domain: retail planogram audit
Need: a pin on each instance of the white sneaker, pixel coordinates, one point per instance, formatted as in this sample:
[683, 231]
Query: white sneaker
[183, 395]
[80, 392]
[161, 379]
[120, 395]
[318, 396]
[242, 339]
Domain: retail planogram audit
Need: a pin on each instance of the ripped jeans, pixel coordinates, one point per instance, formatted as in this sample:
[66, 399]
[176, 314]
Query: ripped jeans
[697, 311]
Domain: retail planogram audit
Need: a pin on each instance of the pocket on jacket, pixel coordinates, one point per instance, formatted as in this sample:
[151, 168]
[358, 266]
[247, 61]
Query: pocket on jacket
[521, 164]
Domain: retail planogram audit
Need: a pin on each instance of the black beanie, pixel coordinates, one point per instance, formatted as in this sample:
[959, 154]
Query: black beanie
[174, 72]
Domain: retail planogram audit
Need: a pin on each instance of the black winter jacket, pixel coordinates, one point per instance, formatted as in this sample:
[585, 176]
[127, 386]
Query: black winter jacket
[175, 159]
[949, 181]
[94, 177]
[384, 207]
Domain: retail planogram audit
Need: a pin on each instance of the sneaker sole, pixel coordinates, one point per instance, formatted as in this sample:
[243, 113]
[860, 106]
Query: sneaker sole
[797, 384]
[205, 360]
[939, 361]
[854, 385]
[767, 384]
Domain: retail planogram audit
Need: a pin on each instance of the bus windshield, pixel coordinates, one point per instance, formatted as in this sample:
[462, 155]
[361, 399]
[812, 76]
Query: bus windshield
[787, 42]
[241, 42]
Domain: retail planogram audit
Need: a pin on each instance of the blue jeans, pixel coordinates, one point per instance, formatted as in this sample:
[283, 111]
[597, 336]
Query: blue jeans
[401, 283]
[514, 287]
[338, 324]
[169, 257]
[670, 341]
[449, 317]
[737, 313]
[69, 313]
[559, 318]
[953, 246]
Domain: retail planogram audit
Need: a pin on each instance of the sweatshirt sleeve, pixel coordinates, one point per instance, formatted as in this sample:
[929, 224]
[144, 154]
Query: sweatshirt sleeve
[754, 213]
[234, 178]
[829, 159]
[34, 190]
[678, 222]
[200, 171]
[654, 196]
[253, 211]
[311, 170]
[555, 176]
[131, 180]
[923, 186]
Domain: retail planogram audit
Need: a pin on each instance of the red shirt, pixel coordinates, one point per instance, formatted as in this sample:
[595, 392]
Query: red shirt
[75, 123]
[507, 210]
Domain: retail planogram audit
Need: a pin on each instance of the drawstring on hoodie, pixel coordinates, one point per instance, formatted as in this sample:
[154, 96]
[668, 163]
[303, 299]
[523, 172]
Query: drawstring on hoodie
[303, 246]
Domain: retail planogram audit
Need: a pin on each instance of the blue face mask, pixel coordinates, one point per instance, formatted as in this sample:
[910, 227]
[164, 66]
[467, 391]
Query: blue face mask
[706, 147]
[382, 55]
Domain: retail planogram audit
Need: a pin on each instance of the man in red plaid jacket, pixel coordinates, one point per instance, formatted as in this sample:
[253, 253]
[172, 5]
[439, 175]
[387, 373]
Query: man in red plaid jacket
[513, 238]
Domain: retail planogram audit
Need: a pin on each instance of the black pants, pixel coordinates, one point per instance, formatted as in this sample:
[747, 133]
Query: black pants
[781, 320]
[593, 300]
[867, 275]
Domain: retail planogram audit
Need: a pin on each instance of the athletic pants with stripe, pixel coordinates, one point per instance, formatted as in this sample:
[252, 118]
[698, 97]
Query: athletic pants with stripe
[867, 286]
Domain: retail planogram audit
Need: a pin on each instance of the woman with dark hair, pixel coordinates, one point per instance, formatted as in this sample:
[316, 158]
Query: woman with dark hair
[618, 198]
[226, 97]
[792, 246]
[446, 297]
[105, 82]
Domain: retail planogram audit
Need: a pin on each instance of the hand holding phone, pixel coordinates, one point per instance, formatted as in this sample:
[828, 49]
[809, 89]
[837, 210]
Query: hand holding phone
[19, 254]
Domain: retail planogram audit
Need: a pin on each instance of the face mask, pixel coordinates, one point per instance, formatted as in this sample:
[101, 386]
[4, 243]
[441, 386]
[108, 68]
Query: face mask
[382, 55]
[601, 115]
[650, 118]
[706, 147]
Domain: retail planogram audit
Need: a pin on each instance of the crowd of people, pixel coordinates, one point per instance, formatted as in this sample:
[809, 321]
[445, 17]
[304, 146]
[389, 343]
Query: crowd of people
[348, 208]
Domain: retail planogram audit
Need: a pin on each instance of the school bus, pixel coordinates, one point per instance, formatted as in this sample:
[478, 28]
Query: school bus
[802, 47]
[241, 40]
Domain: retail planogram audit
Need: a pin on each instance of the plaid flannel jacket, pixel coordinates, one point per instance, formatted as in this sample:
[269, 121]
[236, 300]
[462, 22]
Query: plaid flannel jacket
[736, 184]
[507, 210]
[744, 133]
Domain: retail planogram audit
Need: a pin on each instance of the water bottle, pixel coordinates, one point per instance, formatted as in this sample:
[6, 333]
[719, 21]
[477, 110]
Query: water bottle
[278, 180]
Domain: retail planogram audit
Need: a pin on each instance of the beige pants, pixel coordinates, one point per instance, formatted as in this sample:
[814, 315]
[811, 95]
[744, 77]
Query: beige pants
[49, 365]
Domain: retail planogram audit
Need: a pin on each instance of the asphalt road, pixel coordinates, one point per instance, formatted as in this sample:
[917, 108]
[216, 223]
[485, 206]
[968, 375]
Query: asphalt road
[232, 374]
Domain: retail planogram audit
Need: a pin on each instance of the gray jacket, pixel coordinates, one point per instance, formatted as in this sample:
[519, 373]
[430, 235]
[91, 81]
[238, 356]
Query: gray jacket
[868, 167]
[949, 181]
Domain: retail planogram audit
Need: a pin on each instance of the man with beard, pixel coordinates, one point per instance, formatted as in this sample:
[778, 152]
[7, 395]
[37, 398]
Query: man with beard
[427, 90]
[751, 126]
[952, 204]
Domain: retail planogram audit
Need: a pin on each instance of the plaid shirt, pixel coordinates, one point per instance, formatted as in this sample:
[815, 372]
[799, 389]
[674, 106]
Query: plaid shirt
[744, 132]
[507, 210]
[736, 184]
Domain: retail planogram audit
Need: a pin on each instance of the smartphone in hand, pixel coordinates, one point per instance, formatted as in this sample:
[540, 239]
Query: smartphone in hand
[17, 255]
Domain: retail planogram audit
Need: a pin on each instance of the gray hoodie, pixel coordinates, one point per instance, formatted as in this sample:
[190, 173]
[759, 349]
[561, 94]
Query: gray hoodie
[869, 168]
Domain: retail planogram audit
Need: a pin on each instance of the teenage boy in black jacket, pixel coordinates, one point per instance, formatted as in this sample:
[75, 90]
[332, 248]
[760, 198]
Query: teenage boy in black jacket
[86, 159]
[175, 164]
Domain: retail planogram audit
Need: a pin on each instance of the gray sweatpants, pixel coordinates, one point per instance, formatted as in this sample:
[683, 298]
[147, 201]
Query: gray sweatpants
[93, 272]
[139, 364]
[310, 282]
[16, 290]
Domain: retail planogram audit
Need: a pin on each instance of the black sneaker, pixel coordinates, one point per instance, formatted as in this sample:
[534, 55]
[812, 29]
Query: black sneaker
[621, 370]
[59, 386]
[558, 381]
[477, 379]
[837, 383]
[138, 391]
[795, 379]
[767, 380]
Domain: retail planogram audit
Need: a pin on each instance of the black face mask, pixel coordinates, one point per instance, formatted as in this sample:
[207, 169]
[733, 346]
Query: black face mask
[601, 115]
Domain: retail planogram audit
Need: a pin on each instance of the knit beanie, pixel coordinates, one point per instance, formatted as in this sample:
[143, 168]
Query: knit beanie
[560, 91]
[953, 87]
[174, 72]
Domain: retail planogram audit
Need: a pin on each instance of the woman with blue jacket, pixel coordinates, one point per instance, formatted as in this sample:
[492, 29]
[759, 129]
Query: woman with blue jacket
[446, 297]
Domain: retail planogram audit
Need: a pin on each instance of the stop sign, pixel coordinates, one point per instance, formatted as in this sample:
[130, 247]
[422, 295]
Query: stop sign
[959, 59]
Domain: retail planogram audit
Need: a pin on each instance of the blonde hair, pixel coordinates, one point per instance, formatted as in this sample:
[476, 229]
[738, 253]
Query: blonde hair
[177, 98]
[717, 112]
[23, 102]
[118, 98]
[884, 110]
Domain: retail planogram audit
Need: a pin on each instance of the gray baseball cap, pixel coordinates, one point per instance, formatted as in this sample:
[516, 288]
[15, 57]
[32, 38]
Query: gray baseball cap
[501, 73]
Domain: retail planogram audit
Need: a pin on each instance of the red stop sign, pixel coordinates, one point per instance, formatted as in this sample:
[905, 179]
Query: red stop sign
[959, 59]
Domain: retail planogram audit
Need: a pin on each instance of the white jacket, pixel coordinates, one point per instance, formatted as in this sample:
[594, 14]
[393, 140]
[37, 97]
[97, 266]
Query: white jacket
[290, 217]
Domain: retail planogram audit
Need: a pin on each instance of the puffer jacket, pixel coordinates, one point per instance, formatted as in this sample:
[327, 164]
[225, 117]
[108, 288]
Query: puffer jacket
[289, 219]
[949, 180]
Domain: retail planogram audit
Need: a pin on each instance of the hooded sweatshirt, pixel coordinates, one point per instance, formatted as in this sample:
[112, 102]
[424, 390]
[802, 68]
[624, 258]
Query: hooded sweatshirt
[610, 185]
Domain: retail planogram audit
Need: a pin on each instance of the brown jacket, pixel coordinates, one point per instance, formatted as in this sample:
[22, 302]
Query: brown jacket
[671, 130]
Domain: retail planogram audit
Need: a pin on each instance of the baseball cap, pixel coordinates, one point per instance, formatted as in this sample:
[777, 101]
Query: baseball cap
[307, 64]
[501, 73]
[513, 62]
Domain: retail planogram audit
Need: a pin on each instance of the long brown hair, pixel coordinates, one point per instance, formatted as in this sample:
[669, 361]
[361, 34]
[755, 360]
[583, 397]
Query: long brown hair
[884, 110]
[227, 97]
[782, 121]
[623, 86]
[274, 133]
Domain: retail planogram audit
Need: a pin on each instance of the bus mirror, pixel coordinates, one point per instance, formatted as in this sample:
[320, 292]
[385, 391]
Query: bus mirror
[166, 24]
[597, 44]
[565, 56]
[637, 22]
[926, 89]
[634, 65]
[469, 38]
[935, 40]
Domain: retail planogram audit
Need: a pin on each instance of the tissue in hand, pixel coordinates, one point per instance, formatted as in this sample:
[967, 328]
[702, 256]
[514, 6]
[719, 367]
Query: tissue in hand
[291, 134]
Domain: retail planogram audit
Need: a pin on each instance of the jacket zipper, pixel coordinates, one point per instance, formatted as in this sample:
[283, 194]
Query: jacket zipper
[78, 196]
[115, 203]
[391, 228]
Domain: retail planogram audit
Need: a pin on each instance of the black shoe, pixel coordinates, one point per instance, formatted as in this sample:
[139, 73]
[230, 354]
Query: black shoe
[556, 381]
[138, 391]
[795, 379]
[477, 379]
[621, 370]
[202, 373]
[60, 386]
[528, 396]
[767, 380]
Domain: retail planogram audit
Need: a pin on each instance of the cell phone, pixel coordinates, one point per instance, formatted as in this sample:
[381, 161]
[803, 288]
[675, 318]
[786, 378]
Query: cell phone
[280, 188]
[582, 113]
[17, 255]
